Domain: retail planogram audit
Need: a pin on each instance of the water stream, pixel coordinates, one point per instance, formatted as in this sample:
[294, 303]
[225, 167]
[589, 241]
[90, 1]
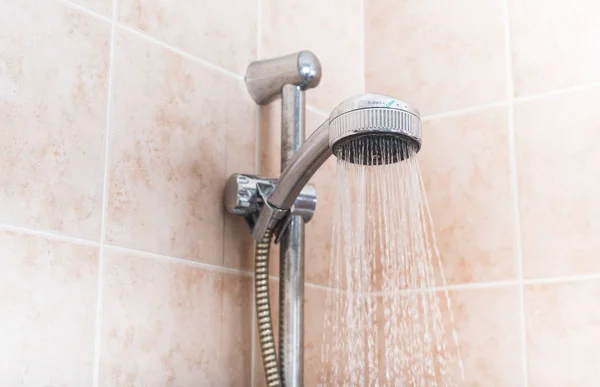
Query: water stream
[389, 319]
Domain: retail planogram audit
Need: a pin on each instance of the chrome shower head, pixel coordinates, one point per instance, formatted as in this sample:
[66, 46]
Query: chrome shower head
[369, 129]
[374, 129]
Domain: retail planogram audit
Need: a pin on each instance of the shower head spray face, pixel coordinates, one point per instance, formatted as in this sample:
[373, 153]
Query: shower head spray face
[374, 129]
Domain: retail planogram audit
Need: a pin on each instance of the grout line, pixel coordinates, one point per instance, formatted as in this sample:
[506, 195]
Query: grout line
[222, 293]
[204, 265]
[100, 289]
[183, 261]
[258, 29]
[572, 89]
[317, 111]
[179, 51]
[464, 111]
[85, 242]
[465, 286]
[475, 285]
[224, 214]
[257, 170]
[512, 151]
[317, 286]
[511, 101]
[49, 235]
[362, 46]
[107, 140]
[143, 35]
[562, 280]
[98, 327]
[224, 269]
[87, 11]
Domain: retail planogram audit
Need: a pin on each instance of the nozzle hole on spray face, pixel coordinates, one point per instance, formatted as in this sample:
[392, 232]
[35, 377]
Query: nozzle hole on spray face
[375, 148]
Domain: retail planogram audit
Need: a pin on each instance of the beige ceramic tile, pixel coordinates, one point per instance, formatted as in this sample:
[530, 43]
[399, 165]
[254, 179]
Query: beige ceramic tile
[318, 230]
[169, 130]
[554, 46]
[223, 33]
[170, 324]
[53, 85]
[558, 183]
[465, 168]
[48, 297]
[563, 334]
[438, 55]
[489, 331]
[103, 7]
[330, 29]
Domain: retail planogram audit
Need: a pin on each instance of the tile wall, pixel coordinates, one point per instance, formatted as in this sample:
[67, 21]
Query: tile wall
[121, 119]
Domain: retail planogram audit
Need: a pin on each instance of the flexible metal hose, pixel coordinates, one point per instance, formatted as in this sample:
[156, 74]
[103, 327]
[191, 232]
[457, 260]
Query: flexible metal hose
[263, 310]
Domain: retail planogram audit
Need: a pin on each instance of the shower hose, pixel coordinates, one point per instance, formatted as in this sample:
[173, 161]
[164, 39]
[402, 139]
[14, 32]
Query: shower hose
[263, 310]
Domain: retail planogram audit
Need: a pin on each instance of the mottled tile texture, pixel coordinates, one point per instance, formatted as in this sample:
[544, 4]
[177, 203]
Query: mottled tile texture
[181, 122]
[103, 7]
[563, 334]
[53, 101]
[223, 33]
[48, 294]
[169, 135]
[553, 46]
[436, 54]
[170, 324]
[558, 183]
[465, 168]
[489, 328]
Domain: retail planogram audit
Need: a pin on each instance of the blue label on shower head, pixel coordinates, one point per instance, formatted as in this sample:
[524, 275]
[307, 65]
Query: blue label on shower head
[390, 103]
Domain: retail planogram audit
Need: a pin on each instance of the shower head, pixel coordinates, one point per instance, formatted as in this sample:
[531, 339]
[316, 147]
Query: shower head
[370, 129]
[374, 129]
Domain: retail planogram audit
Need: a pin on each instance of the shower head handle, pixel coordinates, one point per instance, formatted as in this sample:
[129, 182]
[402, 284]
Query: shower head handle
[303, 165]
